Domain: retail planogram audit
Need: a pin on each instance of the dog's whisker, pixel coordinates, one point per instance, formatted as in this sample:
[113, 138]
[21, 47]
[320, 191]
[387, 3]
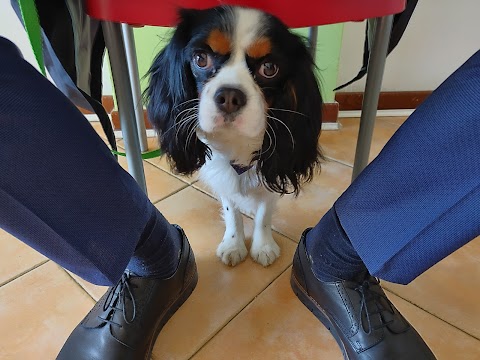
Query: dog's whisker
[176, 124]
[187, 123]
[188, 110]
[270, 142]
[184, 122]
[190, 135]
[274, 142]
[185, 102]
[286, 127]
[286, 110]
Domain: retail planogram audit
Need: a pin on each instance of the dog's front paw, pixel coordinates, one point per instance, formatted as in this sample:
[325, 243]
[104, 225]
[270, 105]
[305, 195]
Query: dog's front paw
[231, 253]
[265, 253]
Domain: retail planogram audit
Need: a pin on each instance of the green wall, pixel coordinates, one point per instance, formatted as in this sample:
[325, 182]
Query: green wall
[150, 40]
[327, 57]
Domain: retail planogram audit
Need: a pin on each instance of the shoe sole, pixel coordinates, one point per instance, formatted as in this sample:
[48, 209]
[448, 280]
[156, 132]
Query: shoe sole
[182, 297]
[319, 313]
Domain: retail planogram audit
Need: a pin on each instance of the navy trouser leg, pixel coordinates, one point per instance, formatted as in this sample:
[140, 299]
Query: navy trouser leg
[61, 190]
[419, 200]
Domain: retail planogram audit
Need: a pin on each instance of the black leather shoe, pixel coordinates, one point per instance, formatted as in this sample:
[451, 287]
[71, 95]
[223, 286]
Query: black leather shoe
[126, 321]
[362, 320]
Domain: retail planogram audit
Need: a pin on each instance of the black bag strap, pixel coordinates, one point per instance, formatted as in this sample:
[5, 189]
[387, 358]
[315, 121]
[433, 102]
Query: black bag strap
[104, 119]
[400, 22]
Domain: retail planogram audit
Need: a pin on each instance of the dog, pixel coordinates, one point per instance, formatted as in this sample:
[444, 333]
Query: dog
[234, 95]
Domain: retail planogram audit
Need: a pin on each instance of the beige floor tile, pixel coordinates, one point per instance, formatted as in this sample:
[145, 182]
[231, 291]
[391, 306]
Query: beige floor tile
[37, 313]
[159, 183]
[447, 342]
[340, 145]
[95, 291]
[161, 162]
[449, 290]
[277, 326]
[222, 291]
[16, 257]
[293, 215]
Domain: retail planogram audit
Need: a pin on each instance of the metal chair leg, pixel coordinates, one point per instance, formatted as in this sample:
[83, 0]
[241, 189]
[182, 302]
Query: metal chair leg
[131, 54]
[126, 106]
[376, 67]
[312, 39]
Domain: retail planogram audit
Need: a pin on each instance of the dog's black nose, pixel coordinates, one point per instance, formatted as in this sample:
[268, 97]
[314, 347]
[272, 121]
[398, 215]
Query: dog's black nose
[230, 100]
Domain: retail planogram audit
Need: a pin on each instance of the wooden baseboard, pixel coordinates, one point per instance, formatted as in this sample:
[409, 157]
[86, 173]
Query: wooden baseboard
[344, 101]
[329, 114]
[118, 126]
[390, 100]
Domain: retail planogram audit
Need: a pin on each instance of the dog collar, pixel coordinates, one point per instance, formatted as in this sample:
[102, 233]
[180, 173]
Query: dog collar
[240, 169]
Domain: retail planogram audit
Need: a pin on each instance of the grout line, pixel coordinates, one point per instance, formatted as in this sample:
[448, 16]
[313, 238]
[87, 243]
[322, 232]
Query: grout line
[329, 158]
[80, 285]
[24, 272]
[205, 192]
[165, 171]
[169, 173]
[430, 313]
[171, 194]
[239, 312]
[284, 235]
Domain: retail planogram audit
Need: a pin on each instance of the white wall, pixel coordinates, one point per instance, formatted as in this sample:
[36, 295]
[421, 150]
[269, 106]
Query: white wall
[12, 29]
[442, 34]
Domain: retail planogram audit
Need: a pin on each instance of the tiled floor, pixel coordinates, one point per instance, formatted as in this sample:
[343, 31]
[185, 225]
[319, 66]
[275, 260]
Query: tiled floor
[246, 312]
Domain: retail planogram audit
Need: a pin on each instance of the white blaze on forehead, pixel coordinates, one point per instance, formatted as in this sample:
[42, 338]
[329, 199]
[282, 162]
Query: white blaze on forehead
[248, 28]
[250, 122]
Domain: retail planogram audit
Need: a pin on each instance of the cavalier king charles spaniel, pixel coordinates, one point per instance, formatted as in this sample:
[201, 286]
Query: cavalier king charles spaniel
[234, 95]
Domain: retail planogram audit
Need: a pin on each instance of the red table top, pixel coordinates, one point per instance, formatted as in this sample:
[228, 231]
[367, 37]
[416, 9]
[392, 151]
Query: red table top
[300, 13]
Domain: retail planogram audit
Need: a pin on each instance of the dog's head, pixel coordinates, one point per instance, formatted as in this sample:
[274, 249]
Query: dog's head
[237, 80]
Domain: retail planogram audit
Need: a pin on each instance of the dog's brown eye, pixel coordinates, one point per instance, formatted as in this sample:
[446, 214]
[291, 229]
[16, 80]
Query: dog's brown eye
[268, 70]
[202, 60]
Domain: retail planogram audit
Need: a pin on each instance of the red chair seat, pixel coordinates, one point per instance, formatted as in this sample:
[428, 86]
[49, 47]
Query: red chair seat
[300, 13]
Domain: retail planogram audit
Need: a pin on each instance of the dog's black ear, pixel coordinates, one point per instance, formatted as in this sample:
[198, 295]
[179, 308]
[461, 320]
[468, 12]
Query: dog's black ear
[290, 152]
[171, 104]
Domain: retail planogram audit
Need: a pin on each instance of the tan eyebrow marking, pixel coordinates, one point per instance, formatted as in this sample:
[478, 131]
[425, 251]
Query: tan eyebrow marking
[218, 42]
[260, 48]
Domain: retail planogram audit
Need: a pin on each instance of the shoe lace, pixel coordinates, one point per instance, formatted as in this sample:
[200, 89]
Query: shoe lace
[115, 301]
[368, 295]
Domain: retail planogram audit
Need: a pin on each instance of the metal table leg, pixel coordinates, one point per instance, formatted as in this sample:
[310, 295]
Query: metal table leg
[376, 66]
[131, 54]
[312, 39]
[126, 106]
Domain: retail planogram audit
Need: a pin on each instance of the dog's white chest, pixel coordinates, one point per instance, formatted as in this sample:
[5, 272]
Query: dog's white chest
[244, 190]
